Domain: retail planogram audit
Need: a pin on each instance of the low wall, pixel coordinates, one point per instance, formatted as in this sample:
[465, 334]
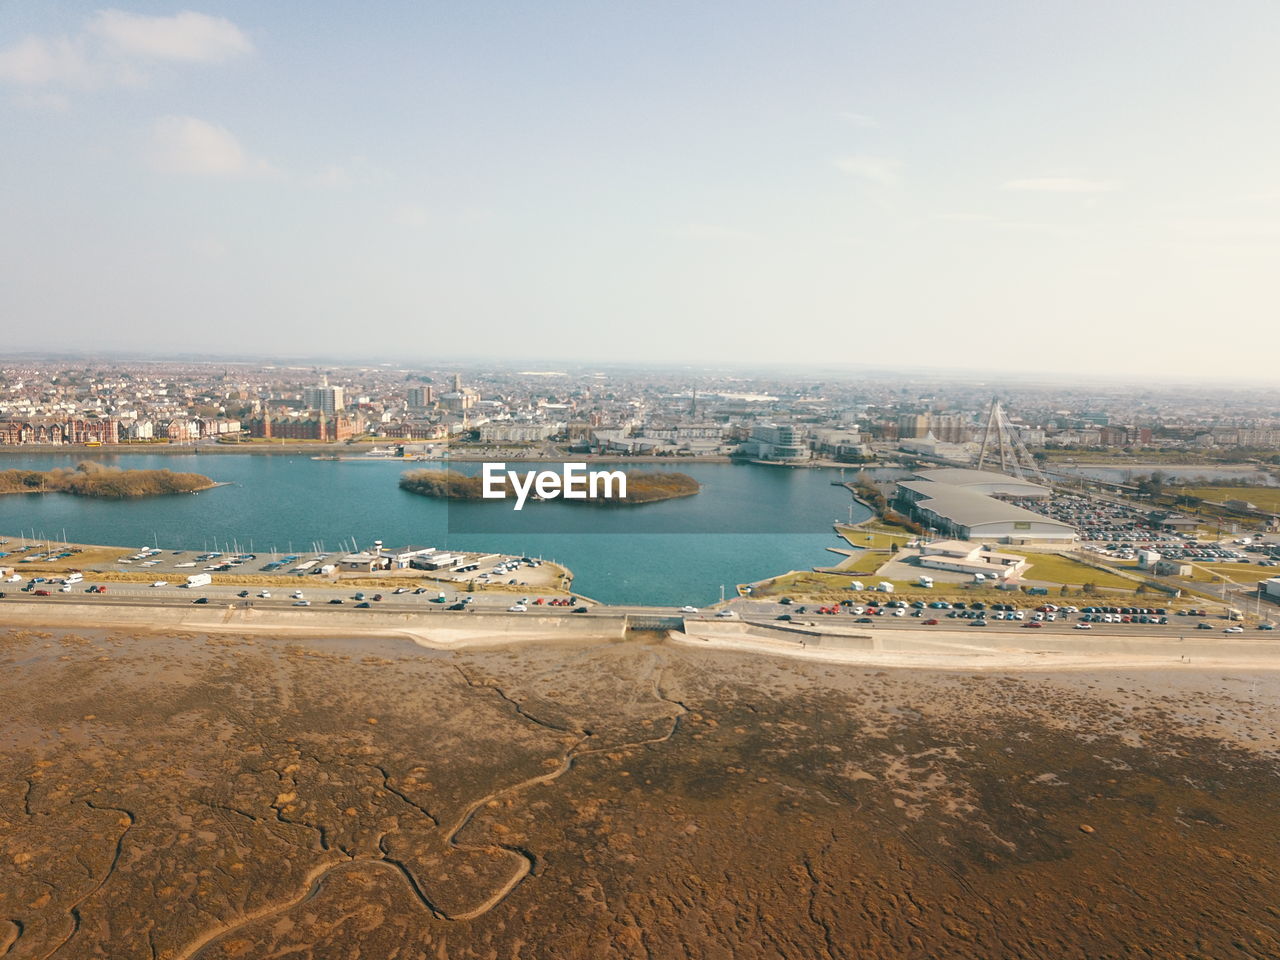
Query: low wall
[430, 629]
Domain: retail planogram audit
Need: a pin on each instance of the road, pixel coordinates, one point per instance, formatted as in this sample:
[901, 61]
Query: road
[752, 611]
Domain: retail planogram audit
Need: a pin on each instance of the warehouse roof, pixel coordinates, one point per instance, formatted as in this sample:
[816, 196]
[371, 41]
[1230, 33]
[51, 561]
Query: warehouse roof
[1009, 486]
[969, 508]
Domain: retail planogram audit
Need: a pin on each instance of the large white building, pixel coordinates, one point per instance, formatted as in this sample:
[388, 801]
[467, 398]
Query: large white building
[964, 504]
[776, 441]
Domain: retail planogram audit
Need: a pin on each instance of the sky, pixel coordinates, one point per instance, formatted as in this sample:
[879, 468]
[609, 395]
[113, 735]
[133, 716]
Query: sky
[1084, 186]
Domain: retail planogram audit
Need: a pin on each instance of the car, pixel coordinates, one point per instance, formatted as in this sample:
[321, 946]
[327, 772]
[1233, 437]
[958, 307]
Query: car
[399, 590]
[1084, 626]
[1204, 626]
[363, 604]
[377, 596]
[264, 594]
[579, 609]
[161, 583]
[929, 623]
[457, 606]
[783, 616]
[1234, 630]
[336, 600]
[786, 601]
[978, 623]
[517, 608]
[42, 593]
[200, 600]
[864, 620]
[725, 614]
[1032, 625]
[243, 593]
[1266, 626]
[302, 603]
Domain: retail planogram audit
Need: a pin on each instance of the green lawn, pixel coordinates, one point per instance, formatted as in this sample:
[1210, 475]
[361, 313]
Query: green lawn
[1239, 572]
[871, 539]
[1264, 498]
[1062, 570]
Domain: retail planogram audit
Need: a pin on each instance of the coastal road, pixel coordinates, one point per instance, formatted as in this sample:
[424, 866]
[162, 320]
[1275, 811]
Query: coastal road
[750, 611]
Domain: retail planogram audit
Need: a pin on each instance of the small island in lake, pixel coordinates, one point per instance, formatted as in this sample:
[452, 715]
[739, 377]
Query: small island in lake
[90, 479]
[648, 487]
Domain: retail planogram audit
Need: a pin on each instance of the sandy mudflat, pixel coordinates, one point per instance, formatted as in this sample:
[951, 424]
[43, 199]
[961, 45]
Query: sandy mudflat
[196, 796]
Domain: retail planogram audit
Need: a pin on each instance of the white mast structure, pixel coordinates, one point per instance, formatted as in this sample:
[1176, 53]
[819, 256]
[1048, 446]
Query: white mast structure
[999, 435]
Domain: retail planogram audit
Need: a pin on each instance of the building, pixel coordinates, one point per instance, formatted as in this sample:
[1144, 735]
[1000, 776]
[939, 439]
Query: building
[517, 432]
[780, 442]
[912, 425]
[966, 505]
[421, 397]
[70, 430]
[1269, 589]
[333, 429]
[950, 427]
[986, 482]
[959, 556]
[1171, 568]
[1172, 522]
[324, 398]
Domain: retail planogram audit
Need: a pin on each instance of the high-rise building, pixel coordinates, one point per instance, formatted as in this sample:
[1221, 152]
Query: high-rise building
[912, 425]
[421, 396]
[326, 399]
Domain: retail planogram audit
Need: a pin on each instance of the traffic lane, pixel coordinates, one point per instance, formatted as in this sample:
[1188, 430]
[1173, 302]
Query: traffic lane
[1136, 631]
[315, 594]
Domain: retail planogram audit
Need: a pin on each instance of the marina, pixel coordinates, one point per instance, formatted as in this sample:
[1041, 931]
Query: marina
[748, 523]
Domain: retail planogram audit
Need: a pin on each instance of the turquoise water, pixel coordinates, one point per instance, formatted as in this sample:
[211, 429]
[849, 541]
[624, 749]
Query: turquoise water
[747, 523]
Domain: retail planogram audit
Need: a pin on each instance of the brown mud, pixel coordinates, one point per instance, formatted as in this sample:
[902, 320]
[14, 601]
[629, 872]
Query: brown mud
[197, 797]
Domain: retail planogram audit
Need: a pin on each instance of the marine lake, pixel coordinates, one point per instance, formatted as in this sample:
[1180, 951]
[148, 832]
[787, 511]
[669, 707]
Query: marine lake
[748, 522]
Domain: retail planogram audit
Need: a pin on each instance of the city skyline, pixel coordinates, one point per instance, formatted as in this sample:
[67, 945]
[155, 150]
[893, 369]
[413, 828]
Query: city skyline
[1019, 192]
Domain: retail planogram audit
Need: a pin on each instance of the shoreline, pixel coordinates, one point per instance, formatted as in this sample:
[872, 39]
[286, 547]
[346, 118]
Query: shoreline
[915, 650]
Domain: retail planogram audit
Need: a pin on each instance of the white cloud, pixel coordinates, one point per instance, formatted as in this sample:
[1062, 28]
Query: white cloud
[1060, 185]
[186, 36]
[865, 167]
[114, 47]
[186, 145]
[35, 62]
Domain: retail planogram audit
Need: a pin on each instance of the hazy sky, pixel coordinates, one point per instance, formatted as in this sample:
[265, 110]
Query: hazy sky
[1083, 185]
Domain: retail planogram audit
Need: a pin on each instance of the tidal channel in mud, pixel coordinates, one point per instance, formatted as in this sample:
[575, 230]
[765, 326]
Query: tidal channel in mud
[197, 797]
